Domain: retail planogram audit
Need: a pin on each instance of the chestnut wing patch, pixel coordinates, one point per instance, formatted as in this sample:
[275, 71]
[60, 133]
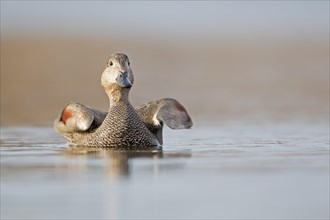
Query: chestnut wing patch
[76, 117]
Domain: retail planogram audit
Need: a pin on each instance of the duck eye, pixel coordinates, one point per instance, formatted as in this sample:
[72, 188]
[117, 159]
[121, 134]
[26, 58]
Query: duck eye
[110, 63]
[129, 63]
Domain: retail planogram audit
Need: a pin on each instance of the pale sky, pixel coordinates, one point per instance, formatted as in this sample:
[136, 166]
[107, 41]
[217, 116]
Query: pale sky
[166, 18]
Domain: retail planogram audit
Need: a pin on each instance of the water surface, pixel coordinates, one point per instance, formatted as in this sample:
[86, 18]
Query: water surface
[227, 170]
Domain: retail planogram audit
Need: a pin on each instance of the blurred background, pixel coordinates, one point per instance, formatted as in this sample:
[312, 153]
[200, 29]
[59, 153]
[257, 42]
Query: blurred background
[240, 60]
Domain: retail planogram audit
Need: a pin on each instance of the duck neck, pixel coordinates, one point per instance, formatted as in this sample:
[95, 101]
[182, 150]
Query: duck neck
[118, 96]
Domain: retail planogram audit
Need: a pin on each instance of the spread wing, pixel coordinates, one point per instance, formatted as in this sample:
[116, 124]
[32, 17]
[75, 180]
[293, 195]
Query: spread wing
[169, 111]
[77, 118]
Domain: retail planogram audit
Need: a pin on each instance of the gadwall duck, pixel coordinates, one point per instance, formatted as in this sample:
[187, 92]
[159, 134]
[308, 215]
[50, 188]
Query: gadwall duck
[122, 126]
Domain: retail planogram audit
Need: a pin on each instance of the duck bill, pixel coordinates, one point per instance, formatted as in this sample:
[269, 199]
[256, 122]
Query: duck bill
[123, 80]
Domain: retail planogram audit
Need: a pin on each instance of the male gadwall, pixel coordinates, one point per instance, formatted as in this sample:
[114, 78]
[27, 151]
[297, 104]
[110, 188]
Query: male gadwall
[122, 126]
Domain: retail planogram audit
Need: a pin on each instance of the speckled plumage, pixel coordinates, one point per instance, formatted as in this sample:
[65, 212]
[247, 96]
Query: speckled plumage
[122, 126]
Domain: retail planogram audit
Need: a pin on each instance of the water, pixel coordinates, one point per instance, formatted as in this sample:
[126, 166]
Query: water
[220, 171]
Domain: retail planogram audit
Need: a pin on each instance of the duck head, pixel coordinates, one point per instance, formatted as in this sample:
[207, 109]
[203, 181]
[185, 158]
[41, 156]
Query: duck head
[117, 74]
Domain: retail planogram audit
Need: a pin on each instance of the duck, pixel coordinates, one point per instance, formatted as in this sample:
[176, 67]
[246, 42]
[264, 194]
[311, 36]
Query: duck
[122, 126]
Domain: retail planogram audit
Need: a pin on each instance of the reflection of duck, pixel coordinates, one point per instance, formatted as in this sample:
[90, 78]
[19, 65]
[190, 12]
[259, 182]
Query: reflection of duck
[123, 126]
[119, 163]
